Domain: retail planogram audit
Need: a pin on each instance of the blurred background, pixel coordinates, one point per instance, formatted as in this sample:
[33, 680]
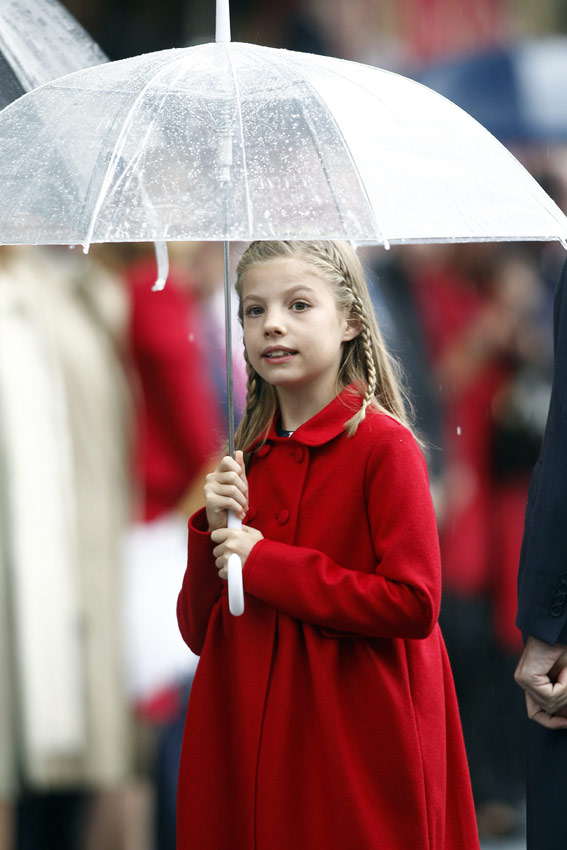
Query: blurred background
[112, 409]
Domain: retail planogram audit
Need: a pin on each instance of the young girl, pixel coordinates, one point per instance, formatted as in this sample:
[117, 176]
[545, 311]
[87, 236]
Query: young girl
[325, 717]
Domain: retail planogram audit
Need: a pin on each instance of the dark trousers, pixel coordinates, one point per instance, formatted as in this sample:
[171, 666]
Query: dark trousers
[50, 820]
[167, 769]
[546, 788]
[491, 705]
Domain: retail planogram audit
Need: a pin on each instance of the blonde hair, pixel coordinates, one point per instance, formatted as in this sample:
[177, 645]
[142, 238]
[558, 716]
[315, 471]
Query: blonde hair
[366, 361]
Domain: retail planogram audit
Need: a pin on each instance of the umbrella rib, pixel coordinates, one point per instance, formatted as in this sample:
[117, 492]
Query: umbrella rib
[323, 164]
[241, 133]
[119, 145]
[298, 70]
[141, 147]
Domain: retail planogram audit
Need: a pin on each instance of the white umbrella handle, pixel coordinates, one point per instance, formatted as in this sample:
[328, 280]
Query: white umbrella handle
[235, 587]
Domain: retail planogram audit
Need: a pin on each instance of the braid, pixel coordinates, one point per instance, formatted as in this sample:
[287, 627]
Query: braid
[368, 349]
[338, 261]
[378, 373]
[251, 385]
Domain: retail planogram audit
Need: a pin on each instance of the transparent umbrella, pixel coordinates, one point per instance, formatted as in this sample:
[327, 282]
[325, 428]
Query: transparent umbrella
[237, 141]
[229, 141]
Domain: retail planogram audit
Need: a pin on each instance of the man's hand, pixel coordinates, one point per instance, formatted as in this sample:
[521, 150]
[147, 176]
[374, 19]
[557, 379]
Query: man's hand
[542, 673]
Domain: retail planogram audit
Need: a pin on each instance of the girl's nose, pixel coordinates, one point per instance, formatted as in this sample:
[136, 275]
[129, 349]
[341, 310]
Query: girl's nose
[273, 324]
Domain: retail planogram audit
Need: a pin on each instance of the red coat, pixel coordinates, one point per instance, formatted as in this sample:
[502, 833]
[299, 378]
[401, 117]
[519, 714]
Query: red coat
[325, 717]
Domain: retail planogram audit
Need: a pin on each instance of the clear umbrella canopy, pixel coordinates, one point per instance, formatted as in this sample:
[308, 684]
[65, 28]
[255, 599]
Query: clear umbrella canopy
[229, 141]
[232, 141]
[40, 41]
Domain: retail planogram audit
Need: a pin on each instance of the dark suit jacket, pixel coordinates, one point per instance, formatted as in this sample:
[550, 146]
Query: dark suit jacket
[542, 576]
[542, 595]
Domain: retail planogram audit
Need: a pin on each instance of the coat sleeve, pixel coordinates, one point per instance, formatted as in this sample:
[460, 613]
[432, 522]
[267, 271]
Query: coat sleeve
[401, 597]
[201, 585]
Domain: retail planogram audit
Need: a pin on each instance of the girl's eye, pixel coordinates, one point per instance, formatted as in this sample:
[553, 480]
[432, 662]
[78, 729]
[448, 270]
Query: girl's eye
[299, 306]
[254, 310]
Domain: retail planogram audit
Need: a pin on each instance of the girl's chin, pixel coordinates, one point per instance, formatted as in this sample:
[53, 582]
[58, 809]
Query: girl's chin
[278, 374]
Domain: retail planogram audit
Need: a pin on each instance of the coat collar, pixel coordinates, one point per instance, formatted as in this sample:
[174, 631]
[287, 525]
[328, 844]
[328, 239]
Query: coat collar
[327, 424]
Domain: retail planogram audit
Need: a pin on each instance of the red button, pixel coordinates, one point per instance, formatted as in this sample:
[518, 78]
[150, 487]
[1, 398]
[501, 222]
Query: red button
[299, 453]
[283, 516]
[263, 450]
[250, 515]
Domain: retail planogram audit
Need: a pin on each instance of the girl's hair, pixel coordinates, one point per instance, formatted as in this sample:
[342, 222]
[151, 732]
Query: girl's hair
[366, 362]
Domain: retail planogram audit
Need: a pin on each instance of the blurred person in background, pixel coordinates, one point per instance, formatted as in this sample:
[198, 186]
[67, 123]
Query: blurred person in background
[200, 266]
[396, 307]
[64, 422]
[179, 434]
[483, 309]
[203, 263]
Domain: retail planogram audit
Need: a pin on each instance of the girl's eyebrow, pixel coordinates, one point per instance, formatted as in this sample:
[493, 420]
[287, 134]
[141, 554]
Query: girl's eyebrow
[294, 289]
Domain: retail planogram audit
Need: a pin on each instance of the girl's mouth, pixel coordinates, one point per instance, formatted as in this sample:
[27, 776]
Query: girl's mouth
[279, 355]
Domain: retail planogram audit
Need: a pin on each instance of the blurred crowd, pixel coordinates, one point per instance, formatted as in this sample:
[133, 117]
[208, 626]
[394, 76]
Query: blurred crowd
[112, 409]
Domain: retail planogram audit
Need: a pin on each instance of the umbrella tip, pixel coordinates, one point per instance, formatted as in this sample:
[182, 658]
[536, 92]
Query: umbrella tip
[222, 21]
[162, 262]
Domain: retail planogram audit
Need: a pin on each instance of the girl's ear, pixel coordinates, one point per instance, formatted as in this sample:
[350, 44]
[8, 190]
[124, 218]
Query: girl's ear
[352, 329]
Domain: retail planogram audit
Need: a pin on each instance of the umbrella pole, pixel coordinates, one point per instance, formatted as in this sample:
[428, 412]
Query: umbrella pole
[228, 347]
[235, 588]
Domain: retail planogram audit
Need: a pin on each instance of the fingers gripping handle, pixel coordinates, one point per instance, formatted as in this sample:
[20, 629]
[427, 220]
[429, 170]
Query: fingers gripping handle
[235, 587]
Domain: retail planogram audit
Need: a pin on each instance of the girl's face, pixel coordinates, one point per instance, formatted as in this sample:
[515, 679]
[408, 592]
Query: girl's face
[293, 333]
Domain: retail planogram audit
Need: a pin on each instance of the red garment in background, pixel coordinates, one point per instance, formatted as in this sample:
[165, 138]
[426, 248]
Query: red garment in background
[434, 29]
[179, 418]
[448, 305]
[481, 531]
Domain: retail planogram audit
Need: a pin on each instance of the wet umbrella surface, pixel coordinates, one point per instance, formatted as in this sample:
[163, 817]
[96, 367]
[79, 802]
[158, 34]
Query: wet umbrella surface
[236, 141]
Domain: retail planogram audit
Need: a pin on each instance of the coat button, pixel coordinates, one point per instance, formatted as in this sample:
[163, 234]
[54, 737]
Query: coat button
[556, 610]
[283, 516]
[263, 450]
[298, 454]
[250, 515]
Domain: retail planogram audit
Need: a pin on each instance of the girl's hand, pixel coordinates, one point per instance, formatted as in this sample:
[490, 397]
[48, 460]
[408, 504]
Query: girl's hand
[226, 489]
[233, 541]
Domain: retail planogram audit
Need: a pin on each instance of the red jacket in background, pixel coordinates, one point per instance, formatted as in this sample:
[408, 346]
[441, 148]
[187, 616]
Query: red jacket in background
[179, 416]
